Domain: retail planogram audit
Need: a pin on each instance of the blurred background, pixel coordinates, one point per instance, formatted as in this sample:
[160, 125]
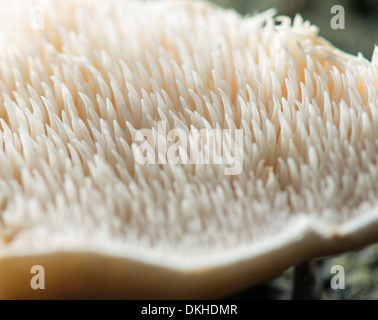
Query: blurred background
[360, 35]
[361, 279]
[361, 19]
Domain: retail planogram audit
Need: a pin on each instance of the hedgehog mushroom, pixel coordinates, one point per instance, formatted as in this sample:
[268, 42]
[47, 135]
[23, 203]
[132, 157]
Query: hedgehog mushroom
[76, 95]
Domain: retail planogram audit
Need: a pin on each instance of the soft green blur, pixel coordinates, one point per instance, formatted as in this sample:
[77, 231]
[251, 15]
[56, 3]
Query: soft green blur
[361, 279]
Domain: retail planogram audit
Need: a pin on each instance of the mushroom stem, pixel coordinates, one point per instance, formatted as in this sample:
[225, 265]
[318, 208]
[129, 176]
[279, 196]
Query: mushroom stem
[306, 283]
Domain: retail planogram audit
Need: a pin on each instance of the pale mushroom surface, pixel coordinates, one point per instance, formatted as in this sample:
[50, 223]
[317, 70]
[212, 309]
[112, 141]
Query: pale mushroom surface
[79, 78]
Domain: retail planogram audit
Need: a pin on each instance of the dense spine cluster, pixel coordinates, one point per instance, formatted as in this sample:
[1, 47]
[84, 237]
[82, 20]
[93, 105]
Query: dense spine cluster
[74, 94]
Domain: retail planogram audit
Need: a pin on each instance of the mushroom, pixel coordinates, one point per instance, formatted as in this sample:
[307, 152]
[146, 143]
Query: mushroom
[77, 93]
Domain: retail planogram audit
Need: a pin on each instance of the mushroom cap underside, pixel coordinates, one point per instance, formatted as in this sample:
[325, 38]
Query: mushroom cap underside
[74, 200]
[95, 272]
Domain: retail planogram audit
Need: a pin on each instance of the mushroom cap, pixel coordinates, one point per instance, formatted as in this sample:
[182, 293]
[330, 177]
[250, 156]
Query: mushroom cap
[79, 82]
